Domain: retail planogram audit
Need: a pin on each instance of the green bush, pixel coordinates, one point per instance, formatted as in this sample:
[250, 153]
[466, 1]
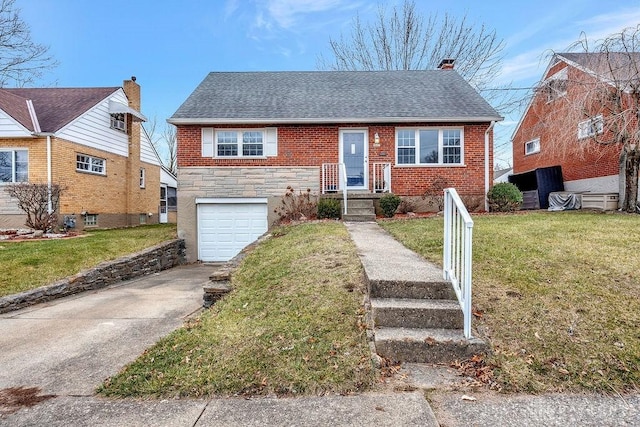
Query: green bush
[504, 197]
[389, 203]
[329, 208]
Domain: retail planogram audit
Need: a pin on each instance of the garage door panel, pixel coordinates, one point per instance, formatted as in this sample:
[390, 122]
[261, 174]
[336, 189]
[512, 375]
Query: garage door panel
[224, 229]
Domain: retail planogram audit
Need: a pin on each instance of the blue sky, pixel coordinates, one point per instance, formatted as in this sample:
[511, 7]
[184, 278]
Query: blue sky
[170, 46]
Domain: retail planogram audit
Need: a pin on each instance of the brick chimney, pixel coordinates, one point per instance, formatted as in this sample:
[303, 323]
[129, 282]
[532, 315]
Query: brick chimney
[446, 64]
[132, 90]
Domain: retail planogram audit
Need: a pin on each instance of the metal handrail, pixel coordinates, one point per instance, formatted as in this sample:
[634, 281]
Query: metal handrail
[458, 234]
[343, 171]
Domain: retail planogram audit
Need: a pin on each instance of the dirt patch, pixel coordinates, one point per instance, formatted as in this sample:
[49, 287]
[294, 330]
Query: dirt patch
[14, 398]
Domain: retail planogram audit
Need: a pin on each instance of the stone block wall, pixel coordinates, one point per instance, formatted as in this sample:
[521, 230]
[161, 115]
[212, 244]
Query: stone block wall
[160, 257]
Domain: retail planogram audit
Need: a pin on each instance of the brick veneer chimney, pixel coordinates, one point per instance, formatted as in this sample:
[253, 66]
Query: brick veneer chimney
[132, 90]
[446, 64]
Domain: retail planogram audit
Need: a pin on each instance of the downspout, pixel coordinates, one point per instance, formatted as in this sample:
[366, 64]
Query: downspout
[49, 180]
[486, 164]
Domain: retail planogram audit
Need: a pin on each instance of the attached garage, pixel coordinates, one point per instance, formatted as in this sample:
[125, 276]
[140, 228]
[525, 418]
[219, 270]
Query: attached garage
[228, 225]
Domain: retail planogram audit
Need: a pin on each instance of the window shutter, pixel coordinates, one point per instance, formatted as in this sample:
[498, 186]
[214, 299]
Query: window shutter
[271, 142]
[207, 142]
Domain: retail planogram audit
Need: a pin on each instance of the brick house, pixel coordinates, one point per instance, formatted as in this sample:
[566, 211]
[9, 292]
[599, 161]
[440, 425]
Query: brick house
[243, 137]
[551, 132]
[88, 140]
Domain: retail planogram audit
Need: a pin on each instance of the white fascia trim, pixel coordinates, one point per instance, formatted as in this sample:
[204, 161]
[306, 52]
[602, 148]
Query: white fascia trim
[211, 121]
[230, 200]
[34, 118]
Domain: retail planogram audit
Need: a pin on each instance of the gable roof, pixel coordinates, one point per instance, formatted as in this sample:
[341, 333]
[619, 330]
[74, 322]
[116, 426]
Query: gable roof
[333, 96]
[54, 107]
[618, 66]
[610, 66]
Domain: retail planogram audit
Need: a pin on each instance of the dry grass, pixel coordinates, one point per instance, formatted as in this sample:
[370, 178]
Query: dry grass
[30, 264]
[559, 293]
[291, 326]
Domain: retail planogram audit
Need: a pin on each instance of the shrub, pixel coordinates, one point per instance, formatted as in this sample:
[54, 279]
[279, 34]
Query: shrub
[504, 197]
[389, 203]
[405, 206]
[297, 207]
[33, 199]
[329, 208]
[435, 192]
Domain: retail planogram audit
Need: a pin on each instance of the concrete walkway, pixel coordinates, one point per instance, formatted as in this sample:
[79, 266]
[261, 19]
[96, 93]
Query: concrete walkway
[69, 346]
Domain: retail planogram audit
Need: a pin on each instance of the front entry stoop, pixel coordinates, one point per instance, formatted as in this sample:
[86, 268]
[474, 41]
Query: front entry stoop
[414, 314]
[360, 210]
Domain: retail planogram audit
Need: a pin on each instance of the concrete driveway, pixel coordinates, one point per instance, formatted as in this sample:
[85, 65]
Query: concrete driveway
[69, 346]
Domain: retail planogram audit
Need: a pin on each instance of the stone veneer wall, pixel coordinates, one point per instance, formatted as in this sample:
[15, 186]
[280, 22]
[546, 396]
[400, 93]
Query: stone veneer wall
[236, 182]
[156, 258]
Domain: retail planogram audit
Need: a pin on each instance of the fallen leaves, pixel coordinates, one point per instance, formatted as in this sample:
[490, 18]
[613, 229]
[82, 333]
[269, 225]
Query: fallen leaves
[477, 369]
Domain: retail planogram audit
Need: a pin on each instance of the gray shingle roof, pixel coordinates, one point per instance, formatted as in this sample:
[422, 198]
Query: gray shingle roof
[619, 66]
[338, 96]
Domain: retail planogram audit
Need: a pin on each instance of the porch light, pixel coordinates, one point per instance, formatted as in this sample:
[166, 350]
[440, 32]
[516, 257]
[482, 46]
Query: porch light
[376, 139]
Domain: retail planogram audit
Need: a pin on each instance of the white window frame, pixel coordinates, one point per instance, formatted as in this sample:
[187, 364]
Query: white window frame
[91, 220]
[591, 127]
[118, 121]
[14, 161]
[209, 147]
[532, 147]
[441, 146]
[239, 143]
[143, 178]
[91, 159]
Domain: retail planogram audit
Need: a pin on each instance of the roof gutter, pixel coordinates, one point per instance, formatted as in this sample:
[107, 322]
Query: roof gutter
[326, 120]
[486, 164]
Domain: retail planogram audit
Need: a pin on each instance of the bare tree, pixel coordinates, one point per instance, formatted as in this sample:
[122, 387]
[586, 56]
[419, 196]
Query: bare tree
[21, 59]
[170, 139]
[596, 106]
[404, 40]
[33, 199]
[165, 143]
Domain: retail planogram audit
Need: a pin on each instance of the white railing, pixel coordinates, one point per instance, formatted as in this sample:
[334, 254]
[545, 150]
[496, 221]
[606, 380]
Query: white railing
[382, 177]
[458, 233]
[334, 179]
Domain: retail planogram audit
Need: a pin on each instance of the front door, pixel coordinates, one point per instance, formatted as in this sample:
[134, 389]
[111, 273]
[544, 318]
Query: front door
[163, 205]
[353, 153]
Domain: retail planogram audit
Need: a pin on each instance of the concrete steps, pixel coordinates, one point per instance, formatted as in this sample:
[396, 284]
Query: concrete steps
[360, 210]
[419, 322]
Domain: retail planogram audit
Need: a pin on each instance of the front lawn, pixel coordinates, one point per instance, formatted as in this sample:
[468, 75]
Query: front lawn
[291, 326]
[30, 264]
[558, 295]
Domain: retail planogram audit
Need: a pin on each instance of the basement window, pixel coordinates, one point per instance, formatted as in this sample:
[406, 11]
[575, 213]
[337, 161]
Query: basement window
[90, 220]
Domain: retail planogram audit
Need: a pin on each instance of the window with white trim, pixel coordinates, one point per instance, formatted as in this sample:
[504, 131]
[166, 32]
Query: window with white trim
[118, 122]
[14, 166]
[556, 85]
[239, 143]
[532, 146]
[90, 220]
[90, 164]
[591, 127]
[142, 178]
[429, 146]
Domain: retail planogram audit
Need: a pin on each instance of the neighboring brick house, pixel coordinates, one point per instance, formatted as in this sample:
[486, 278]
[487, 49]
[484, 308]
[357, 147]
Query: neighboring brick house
[552, 132]
[88, 140]
[243, 137]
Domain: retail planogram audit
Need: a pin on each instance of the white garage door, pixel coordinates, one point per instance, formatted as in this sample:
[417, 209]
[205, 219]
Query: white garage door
[226, 226]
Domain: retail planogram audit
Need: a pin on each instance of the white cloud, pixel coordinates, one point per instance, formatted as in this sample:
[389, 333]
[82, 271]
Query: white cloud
[287, 12]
